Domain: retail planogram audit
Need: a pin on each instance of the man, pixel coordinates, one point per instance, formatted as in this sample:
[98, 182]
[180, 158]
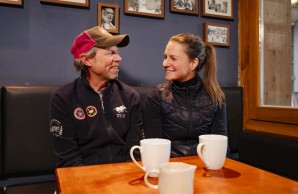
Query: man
[96, 118]
[107, 18]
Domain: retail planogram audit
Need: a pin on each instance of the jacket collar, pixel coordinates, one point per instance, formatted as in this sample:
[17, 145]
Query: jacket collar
[189, 88]
[106, 91]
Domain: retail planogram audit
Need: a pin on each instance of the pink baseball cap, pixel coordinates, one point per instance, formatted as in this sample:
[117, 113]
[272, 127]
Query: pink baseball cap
[96, 37]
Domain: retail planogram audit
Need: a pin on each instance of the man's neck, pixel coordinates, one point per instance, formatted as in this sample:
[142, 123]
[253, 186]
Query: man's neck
[98, 85]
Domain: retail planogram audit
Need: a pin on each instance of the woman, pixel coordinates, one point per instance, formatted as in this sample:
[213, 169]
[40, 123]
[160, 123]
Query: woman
[186, 106]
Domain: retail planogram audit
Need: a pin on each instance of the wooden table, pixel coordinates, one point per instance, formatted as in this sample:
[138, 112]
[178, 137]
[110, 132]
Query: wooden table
[122, 178]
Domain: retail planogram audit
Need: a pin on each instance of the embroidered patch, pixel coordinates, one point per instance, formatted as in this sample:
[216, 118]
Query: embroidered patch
[121, 110]
[91, 111]
[79, 113]
[55, 127]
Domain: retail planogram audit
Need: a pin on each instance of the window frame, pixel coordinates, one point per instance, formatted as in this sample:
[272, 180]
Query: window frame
[281, 121]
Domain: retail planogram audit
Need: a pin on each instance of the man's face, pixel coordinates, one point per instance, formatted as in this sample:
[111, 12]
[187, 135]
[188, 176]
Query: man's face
[109, 14]
[105, 64]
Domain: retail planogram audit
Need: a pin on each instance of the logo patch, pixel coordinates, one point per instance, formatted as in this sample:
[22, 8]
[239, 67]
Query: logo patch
[91, 111]
[79, 113]
[121, 110]
[55, 127]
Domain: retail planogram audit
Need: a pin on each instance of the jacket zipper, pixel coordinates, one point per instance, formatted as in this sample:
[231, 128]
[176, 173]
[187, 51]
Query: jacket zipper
[101, 101]
[107, 125]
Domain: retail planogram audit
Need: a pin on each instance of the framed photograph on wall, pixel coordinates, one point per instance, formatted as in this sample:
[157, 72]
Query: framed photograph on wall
[71, 3]
[185, 6]
[108, 17]
[11, 2]
[150, 8]
[216, 34]
[218, 8]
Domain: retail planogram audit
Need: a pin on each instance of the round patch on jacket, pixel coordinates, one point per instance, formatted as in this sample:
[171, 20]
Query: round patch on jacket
[91, 111]
[79, 113]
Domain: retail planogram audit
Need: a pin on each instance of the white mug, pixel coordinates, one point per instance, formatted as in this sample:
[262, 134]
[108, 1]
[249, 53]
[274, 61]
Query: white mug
[154, 151]
[174, 178]
[212, 149]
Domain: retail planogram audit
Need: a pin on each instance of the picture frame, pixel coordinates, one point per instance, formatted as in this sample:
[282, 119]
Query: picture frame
[18, 3]
[185, 6]
[108, 17]
[216, 34]
[69, 3]
[218, 8]
[145, 8]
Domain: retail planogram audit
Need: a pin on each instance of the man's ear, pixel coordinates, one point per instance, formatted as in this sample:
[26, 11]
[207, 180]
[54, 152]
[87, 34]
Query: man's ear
[194, 64]
[85, 60]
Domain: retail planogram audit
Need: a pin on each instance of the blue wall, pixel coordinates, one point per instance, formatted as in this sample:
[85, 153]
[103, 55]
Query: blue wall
[35, 43]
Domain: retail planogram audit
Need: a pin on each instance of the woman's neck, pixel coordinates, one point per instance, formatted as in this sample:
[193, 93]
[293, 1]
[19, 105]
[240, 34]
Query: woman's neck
[187, 83]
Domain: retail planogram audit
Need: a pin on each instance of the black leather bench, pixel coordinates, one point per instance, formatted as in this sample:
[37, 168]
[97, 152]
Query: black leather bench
[275, 154]
[27, 162]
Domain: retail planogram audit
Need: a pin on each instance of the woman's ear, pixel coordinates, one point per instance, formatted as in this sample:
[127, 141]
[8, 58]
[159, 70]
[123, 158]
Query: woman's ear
[194, 64]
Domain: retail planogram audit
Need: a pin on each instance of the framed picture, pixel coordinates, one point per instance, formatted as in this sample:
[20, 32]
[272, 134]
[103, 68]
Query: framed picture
[11, 2]
[218, 8]
[108, 17]
[185, 6]
[150, 8]
[71, 3]
[217, 34]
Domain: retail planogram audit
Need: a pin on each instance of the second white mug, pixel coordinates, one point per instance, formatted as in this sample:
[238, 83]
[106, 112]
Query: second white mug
[154, 152]
[212, 149]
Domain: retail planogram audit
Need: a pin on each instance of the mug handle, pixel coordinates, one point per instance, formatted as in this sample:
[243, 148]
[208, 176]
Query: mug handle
[200, 147]
[133, 158]
[153, 186]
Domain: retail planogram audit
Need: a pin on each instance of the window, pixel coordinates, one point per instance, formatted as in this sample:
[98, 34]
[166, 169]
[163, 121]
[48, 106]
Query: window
[258, 116]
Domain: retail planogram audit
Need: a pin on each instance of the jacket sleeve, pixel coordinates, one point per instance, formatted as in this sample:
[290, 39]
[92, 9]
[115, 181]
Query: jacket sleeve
[64, 134]
[152, 116]
[219, 125]
[135, 133]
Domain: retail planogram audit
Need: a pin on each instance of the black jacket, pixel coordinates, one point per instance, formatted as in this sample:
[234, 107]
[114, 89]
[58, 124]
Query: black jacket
[90, 129]
[181, 113]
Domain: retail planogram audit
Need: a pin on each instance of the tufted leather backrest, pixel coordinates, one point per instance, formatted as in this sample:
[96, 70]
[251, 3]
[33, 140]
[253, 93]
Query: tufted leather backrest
[234, 104]
[273, 153]
[27, 143]
[1, 132]
[143, 91]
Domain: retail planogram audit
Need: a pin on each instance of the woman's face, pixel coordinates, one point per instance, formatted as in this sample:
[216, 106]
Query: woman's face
[177, 65]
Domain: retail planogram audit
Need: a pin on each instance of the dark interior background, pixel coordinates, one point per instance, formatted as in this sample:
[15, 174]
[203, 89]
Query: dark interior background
[35, 43]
